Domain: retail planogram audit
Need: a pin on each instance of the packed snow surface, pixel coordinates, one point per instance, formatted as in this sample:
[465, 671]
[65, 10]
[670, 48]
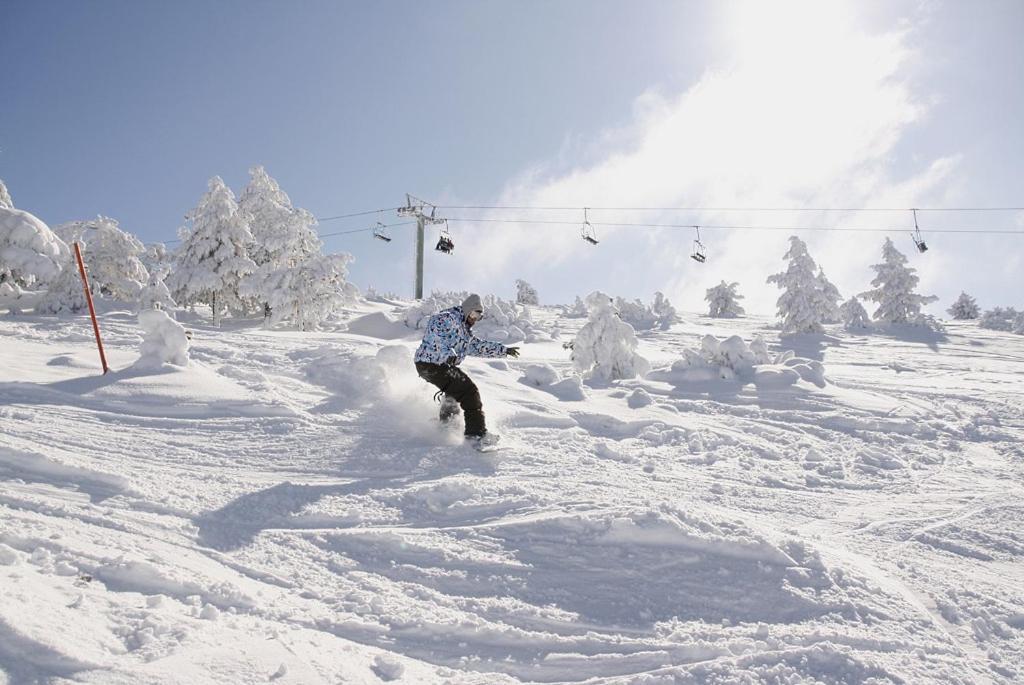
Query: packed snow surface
[286, 508]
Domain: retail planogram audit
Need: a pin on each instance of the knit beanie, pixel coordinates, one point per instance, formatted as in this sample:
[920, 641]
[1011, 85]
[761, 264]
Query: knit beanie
[472, 304]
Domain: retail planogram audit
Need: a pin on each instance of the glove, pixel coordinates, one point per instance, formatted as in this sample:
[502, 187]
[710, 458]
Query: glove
[512, 351]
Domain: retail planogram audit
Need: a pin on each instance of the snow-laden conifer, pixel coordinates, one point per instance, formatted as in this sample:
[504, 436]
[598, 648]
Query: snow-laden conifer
[605, 348]
[577, 310]
[854, 316]
[526, 293]
[722, 301]
[802, 305]
[29, 251]
[112, 257]
[5, 197]
[964, 308]
[830, 298]
[213, 258]
[307, 293]
[894, 289]
[283, 236]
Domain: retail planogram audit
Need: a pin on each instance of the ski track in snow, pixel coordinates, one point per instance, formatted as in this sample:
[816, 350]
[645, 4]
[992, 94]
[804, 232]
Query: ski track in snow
[287, 509]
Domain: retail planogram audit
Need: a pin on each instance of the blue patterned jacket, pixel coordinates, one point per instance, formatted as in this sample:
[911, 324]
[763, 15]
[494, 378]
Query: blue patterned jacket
[448, 336]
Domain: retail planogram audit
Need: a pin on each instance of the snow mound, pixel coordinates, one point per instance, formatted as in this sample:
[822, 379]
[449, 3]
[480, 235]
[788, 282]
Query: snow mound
[164, 340]
[733, 359]
[539, 375]
[378, 325]
[29, 250]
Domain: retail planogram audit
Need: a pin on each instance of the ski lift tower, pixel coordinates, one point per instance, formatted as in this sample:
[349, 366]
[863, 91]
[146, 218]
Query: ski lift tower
[415, 207]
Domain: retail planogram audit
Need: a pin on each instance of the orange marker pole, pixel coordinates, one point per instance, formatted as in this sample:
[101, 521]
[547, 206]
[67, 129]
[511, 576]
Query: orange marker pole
[92, 310]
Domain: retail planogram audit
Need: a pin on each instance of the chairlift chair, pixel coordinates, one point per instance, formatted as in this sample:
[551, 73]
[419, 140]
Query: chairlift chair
[381, 232]
[445, 243]
[587, 231]
[699, 252]
[916, 235]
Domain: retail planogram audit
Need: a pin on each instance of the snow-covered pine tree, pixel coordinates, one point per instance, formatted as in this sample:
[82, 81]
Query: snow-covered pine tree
[5, 197]
[664, 310]
[830, 297]
[853, 315]
[283, 235]
[213, 258]
[577, 310]
[29, 251]
[964, 308]
[111, 255]
[526, 293]
[309, 292]
[722, 300]
[802, 305]
[894, 288]
[605, 348]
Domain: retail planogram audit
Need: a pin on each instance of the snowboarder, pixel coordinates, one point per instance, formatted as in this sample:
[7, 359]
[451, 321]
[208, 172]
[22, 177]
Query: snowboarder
[447, 341]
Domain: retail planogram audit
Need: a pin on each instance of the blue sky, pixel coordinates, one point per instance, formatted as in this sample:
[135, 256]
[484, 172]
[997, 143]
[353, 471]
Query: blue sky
[127, 108]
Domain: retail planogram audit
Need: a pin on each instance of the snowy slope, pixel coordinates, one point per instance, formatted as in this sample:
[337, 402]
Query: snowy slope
[287, 509]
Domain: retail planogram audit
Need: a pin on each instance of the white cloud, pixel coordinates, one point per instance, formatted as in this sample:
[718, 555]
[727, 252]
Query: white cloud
[806, 111]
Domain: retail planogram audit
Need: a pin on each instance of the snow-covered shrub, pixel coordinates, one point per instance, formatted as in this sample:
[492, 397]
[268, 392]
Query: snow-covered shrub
[605, 348]
[163, 340]
[636, 314]
[112, 257]
[803, 305]
[853, 315]
[5, 197]
[506, 322]
[420, 312]
[156, 258]
[213, 257]
[964, 308]
[503, 321]
[894, 289]
[526, 293]
[722, 300]
[305, 294]
[661, 314]
[733, 360]
[66, 293]
[1003, 319]
[155, 295]
[29, 251]
[577, 310]
[371, 295]
[664, 310]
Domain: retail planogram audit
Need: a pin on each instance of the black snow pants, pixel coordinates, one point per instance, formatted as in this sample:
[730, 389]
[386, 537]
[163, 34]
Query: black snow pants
[453, 382]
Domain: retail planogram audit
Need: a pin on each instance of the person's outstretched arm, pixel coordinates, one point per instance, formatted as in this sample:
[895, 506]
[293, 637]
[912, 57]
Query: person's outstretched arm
[485, 348]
